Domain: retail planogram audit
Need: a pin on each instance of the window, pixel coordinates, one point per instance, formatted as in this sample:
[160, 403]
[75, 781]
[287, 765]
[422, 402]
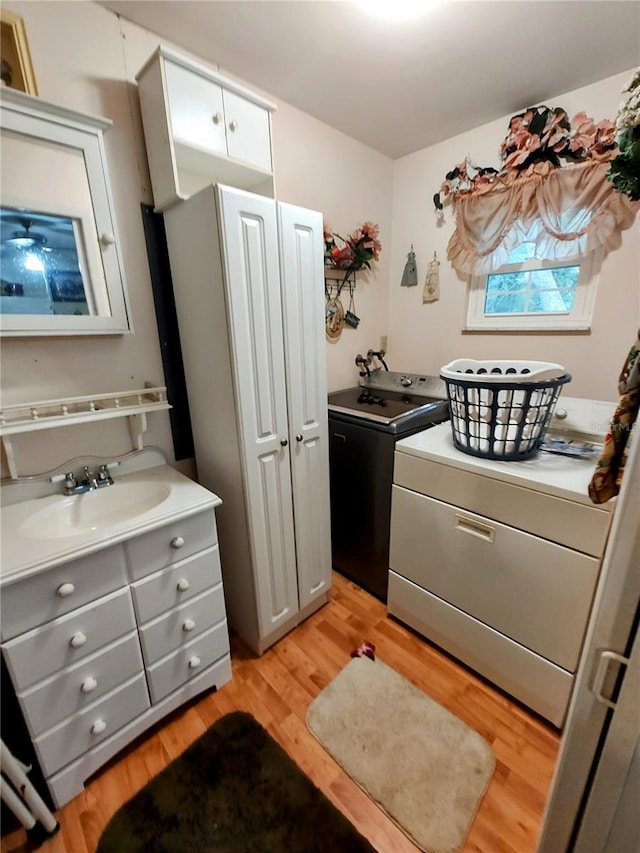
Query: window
[529, 293]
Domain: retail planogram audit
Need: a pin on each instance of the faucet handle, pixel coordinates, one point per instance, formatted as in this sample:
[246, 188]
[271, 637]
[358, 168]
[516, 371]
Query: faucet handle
[69, 480]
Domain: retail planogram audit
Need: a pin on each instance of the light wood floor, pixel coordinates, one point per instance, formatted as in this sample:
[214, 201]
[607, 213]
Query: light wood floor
[278, 687]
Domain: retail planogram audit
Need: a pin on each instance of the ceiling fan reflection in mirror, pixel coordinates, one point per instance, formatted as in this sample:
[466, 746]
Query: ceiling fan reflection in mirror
[25, 238]
[21, 228]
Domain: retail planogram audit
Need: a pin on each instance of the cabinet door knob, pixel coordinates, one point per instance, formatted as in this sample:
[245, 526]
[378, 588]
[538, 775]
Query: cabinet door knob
[299, 437]
[284, 442]
[107, 239]
[78, 640]
[188, 625]
[216, 118]
[177, 542]
[194, 662]
[89, 685]
[98, 727]
[183, 585]
[233, 125]
[65, 590]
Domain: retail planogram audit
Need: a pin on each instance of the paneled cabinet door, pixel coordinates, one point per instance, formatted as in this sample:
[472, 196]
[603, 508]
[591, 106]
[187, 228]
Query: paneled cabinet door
[301, 264]
[248, 133]
[252, 280]
[196, 109]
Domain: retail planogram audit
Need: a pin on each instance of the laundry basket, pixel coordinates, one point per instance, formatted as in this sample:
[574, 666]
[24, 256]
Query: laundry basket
[501, 409]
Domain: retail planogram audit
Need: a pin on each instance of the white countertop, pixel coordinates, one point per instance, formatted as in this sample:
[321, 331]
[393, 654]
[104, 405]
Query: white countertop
[551, 473]
[23, 555]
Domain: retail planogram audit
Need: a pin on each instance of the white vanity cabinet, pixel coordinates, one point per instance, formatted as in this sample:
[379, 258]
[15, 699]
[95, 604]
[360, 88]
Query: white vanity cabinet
[101, 647]
[497, 563]
[180, 608]
[201, 127]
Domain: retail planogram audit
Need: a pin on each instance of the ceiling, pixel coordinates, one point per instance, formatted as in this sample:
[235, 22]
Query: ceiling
[399, 86]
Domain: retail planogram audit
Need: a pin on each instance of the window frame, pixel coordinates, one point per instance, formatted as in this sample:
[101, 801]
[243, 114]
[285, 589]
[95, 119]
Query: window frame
[578, 319]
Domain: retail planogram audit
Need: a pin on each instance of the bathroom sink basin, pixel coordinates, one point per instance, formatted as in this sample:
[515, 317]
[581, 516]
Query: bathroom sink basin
[94, 511]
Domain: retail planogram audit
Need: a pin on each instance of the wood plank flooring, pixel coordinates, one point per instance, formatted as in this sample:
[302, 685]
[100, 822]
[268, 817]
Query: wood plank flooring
[277, 689]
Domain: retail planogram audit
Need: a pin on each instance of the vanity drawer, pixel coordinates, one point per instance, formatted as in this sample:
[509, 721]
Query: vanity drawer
[171, 544]
[87, 729]
[178, 627]
[169, 674]
[74, 689]
[169, 587]
[53, 592]
[534, 591]
[61, 643]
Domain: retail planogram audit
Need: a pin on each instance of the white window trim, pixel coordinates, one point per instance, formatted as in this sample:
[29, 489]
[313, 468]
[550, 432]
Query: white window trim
[576, 320]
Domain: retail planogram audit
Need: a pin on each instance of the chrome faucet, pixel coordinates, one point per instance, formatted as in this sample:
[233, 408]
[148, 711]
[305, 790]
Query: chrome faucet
[73, 487]
[104, 478]
[90, 482]
[363, 362]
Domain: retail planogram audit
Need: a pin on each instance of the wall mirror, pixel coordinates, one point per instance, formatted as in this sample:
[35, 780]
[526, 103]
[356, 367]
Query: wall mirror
[60, 263]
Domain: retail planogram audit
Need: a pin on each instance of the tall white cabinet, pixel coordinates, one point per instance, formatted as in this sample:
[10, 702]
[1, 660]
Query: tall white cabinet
[248, 280]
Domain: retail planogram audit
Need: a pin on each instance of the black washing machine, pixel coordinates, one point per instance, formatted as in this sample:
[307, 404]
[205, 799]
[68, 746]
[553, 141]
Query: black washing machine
[364, 424]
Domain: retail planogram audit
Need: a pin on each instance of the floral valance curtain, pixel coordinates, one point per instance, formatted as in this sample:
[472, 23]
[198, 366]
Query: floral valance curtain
[555, 189]
[566, 212]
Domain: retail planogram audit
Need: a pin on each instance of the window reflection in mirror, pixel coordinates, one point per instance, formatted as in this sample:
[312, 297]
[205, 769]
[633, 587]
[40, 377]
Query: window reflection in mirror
[42, 264]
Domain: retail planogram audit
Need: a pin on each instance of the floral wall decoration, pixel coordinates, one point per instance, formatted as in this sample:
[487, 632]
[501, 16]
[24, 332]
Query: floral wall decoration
[354, 252]
[624, 170]
[347, 255]
[551, 189]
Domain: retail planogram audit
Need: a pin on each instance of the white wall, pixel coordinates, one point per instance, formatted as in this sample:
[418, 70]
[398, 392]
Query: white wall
[86, 58]
[319, 167]
[424, 337]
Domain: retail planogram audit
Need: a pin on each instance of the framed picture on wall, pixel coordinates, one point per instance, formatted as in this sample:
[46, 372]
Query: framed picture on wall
[17, 69]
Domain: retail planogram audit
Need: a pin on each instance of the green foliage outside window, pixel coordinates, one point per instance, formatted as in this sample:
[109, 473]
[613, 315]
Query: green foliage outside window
[550, 290]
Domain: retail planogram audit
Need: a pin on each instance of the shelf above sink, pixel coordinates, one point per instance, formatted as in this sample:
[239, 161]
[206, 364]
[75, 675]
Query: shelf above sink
[70, 411]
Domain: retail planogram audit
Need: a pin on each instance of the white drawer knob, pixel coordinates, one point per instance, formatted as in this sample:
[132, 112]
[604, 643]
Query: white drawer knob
[233, 125]
[177, 542]
[89, 685]
[65, 590]
[78, 640]
[98, 727]
[188, 625]
[216, 118]
[194, 662]
[183, 585]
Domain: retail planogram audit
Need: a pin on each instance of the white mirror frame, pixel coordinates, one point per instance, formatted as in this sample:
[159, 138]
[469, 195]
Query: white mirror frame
[40, 120]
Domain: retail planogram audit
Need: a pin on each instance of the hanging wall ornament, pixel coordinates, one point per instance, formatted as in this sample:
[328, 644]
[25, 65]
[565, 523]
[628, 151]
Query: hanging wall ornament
[351, 318]
[410, 272]
[334, 316]
[431, 291]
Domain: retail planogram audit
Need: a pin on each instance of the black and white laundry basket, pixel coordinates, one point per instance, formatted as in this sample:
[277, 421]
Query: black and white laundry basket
[501, 409]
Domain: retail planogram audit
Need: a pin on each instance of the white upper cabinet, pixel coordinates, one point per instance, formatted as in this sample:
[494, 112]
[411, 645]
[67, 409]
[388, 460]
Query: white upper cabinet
[200, 128]
[248, 131]
[195, 109]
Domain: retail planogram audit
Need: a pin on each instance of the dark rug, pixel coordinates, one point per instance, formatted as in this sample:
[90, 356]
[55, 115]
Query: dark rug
[234, 790]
